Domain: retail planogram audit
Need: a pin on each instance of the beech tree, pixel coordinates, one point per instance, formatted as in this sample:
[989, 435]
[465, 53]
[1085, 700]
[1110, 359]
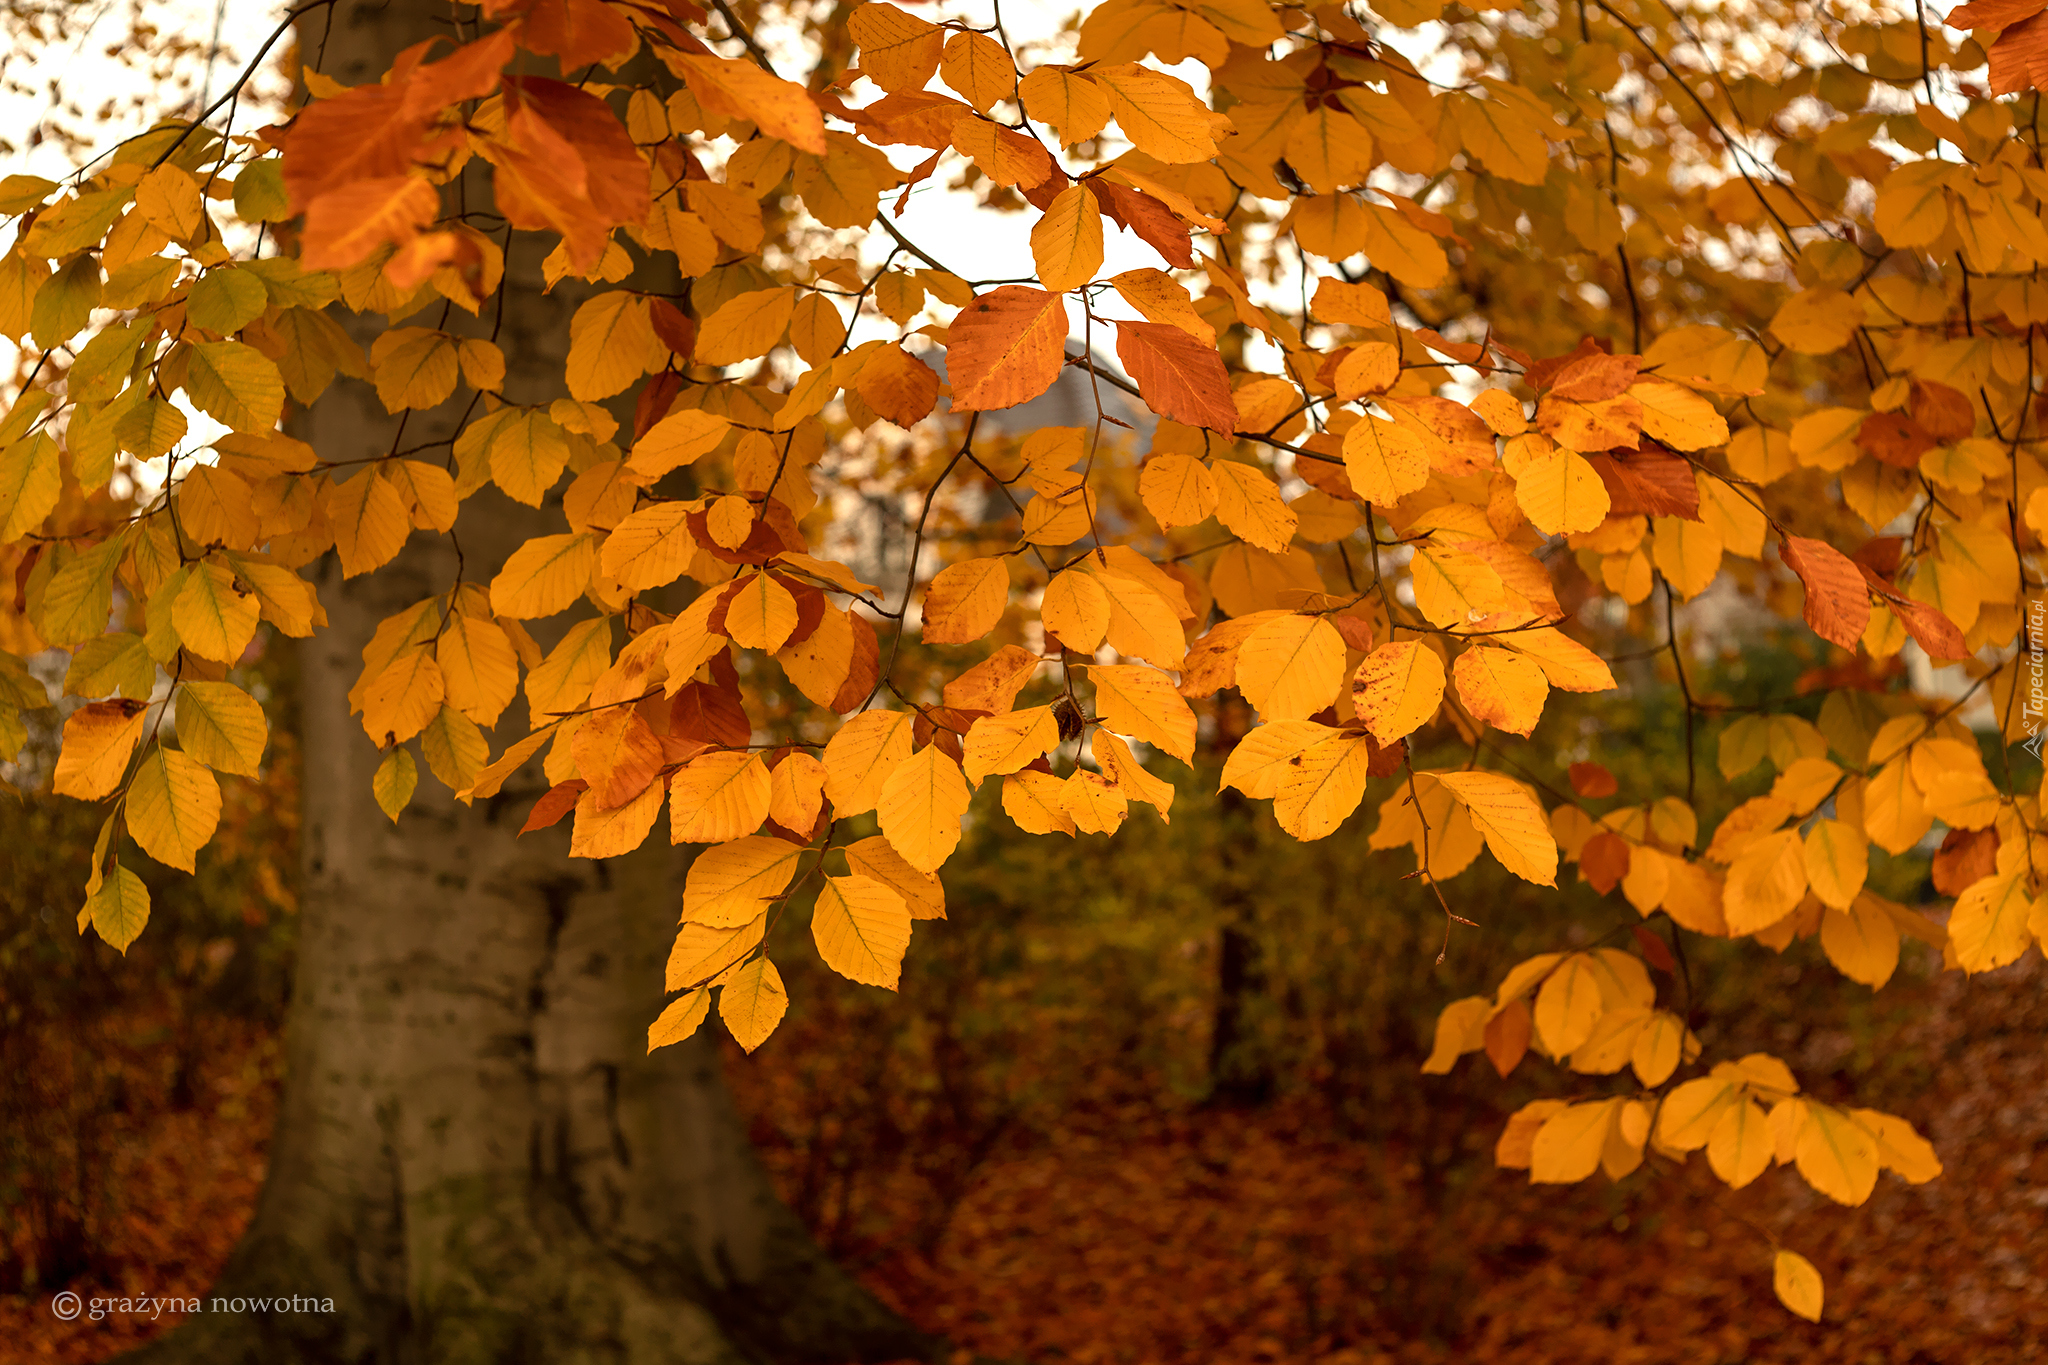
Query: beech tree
[581, 340]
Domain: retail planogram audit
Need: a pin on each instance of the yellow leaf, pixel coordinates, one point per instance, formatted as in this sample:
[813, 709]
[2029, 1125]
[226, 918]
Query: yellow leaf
[1160, 114]
[1142, 623]
[1568, 1005]
[1501, 688]
[1323, 785]
[898, 51]
[1989, 925]
[1569, 665]
[1686, 1119]
[977, 66]
[1862, 941]
[819, 665]
[118, 909]
[1677, 416]
[479, 672]
[1162, 298]
[1453, 587]
[1655, 1055]
[877, 859]
[963, 602]
[455, 748]
[729, 884]
[703, 952]
[236, 385]
[173, 806]
[1372, 367]
[650, 548]
[222, 726]
[1032, 801]
[1398, 688]
[1765, 882]
[1837, 861]
[1003, 744]
[1250, 506]
[921, 805]
[394, 782]
[213, 616]
[1066, 243]
[1511, 821]
[862, 929]
[753, 1003]
[1143, 704]
[1094, 803]
[1262, 760]
[528, 452]
[1741, 1146]
[730, 520]
[1075, 608]
[1459, 1029]
[681, 1019]
[860, 757]
[1569, 1144]
[169, 197]
[30, 483]
[796, 792]
[718, 797]
[1688, 554]
[1837, 1155]
[98, 741]
[1899, 1148]
[1505, 139]
[1075, 106]
[1385, 462]
[746, 326]
[563, 681]
[369, 522]
[489, 781]
[1561, 494]
[1128, 776]
[1329, 149]
[1291, 667]
[1798, 1284]
[544, 575]
[415, 368]
[1817, 321]
[403, 697]
[761, 614]
[683, 437]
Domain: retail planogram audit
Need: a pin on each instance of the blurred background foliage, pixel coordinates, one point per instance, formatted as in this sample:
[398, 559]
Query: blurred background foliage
[97, 1049]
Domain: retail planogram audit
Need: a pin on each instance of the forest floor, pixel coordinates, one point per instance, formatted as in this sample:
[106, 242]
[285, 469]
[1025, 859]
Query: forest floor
[1135, 1231]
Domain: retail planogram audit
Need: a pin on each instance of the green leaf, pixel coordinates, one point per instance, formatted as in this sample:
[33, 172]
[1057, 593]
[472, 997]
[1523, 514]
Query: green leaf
[222, 726]
[119, 909]
[29, 485]
[235, 384]
[173, 806]
[393, 785]
[225, 301]
[259, 192]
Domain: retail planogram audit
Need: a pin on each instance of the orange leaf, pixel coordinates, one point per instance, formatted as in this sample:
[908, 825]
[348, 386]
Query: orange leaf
[1837, 598]
[343, 226]
[898, 385]
[1178, 376]
[739, 89]
[1006, 347]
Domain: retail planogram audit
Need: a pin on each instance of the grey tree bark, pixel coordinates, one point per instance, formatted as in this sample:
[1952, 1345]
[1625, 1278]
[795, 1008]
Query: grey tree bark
[475, 1159]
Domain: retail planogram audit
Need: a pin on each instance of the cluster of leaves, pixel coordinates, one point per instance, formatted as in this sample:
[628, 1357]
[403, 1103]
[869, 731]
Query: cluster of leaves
[1828, 240]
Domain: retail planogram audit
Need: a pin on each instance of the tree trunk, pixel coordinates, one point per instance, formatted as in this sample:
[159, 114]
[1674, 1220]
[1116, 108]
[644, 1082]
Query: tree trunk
[475, 1159]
